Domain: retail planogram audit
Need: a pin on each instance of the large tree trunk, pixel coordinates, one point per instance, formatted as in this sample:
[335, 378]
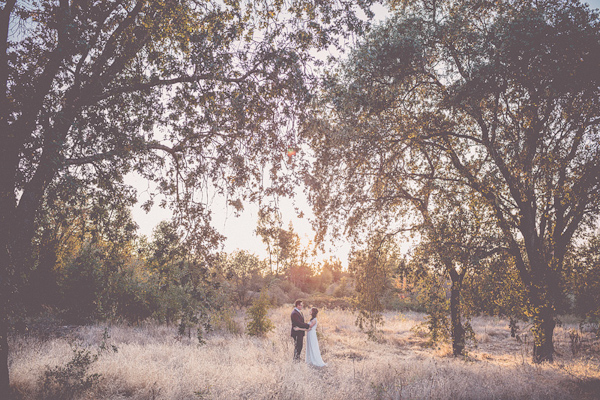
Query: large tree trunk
[542, 279]
[5, 290]
[458, 331]
[543, 331]
[17, 228]
[4, 376]
[7, 224]
[544, 295]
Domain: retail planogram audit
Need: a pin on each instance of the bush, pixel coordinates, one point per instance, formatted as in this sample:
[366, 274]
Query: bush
[344, 288]
[291, 291]
[402, 302]
[325, 301]
[72, 380]
[224, 320]
[432, 291]
[278, 296]
[81, 285]
[258, 322]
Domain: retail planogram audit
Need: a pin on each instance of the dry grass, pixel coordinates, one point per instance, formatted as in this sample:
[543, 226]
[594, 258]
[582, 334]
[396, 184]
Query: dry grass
[153, 363]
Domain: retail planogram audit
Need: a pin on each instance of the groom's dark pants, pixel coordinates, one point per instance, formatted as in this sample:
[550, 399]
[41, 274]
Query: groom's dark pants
[298, 346]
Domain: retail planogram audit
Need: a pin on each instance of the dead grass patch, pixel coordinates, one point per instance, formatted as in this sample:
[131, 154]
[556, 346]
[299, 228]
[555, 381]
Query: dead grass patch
[152, 362]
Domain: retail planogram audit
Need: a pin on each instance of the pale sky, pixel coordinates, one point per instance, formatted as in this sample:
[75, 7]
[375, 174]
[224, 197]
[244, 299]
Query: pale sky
[240, 230]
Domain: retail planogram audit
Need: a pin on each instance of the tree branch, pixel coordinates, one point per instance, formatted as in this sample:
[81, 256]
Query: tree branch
[166, 82]
[104, 156]
[4, 25]
[111, 43]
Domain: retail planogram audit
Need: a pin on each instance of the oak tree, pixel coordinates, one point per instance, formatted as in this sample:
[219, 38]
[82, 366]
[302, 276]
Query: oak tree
[503, 98]
[190, 94]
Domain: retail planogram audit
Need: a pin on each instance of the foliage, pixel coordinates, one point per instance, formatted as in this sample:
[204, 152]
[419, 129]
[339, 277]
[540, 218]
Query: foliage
[244, 273]
[584, 278]
[186, 288]
[224, 320]
[302, 274]
[498, 100]
[259, 323]
[73, 380]
[194, 96]
[372, 270]
[80, 231]
[283, 245]
[331, 272]
[495, 289]
[346, 287]
[432, 293]
[82, 280]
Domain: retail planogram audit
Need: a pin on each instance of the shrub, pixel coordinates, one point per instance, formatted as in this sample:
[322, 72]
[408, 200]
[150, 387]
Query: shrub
[330, 302]
[344, 288]
[224, 320]
[432, 292]
[71, 380]
[258, 322]
[278, 296]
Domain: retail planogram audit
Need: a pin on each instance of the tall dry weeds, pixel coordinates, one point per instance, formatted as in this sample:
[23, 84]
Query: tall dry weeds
[154, 363]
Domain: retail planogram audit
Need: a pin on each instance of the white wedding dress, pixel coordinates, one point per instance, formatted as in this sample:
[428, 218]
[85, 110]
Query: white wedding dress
[313, 353]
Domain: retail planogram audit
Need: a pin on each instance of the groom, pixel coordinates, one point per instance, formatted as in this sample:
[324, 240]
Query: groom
[298, 336]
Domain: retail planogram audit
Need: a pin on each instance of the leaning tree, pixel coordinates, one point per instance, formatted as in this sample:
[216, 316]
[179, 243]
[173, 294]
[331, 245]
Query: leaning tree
[187, 93]
[505, 94]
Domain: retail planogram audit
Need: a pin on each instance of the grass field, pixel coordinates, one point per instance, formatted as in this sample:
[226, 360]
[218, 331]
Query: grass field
[152, 362]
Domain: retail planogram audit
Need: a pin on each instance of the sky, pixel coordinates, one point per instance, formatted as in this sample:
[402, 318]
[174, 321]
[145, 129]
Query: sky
[240, 231]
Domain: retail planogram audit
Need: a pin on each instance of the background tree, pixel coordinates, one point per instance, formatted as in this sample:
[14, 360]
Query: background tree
[494, 288]
[331, 268]
[505, 94]
[245, 273]
[583, 263]
[283, 245]
[365, 179]
[187, 93]
[373, 269]
[77, 222]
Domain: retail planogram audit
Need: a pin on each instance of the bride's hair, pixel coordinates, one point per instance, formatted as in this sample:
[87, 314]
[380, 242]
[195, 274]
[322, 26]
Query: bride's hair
[314, 312]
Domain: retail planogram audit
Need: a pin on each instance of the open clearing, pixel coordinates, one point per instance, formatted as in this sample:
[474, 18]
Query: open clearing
[152, 362]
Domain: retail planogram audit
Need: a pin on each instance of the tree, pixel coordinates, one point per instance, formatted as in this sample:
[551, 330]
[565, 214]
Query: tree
[583, 263]
[333, 268]
[244, 272]
[187, 93]
[503, 98]
[77, 222]
[373, 270]
[456, 239]
[494, 288]
[283, 245]
[365, 179]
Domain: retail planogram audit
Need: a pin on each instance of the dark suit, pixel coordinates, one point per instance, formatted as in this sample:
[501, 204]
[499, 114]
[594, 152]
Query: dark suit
[298, 336]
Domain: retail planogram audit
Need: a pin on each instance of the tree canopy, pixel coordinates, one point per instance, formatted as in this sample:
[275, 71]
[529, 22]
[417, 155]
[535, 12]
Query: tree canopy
[190, 94]
[498, 99]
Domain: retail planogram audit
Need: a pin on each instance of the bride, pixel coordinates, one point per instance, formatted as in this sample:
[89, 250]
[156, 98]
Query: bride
[313, 354]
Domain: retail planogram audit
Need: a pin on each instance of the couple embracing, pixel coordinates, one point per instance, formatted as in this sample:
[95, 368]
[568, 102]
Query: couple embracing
[313, 354]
